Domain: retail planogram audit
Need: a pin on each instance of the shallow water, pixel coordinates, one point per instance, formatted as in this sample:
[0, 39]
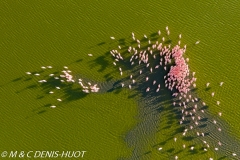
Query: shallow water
[63, 33]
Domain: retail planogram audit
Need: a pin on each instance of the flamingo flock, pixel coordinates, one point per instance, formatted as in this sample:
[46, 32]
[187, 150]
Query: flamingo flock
[66, 77]
[178, 79]
[157, 56]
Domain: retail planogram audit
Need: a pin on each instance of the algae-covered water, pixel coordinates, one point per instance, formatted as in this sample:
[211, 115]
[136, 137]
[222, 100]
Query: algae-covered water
[111, 124]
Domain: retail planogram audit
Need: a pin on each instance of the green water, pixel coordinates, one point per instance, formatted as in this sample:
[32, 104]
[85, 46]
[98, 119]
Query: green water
[35, 34]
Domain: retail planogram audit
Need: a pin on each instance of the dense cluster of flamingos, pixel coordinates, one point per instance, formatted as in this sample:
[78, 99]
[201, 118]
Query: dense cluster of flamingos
[178, 79]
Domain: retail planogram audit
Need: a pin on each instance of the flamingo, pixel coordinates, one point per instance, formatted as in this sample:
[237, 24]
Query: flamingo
[175, 139]
[147, 90]
[197, 42]
[207, 84]
[154, 82]
[212, 94]
[214, 121]
[180, 36]
[168, 32]
[219, 143]
[133, 81]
